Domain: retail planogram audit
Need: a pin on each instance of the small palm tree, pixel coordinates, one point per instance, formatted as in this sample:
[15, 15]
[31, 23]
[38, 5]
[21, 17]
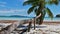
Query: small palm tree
[40, 9]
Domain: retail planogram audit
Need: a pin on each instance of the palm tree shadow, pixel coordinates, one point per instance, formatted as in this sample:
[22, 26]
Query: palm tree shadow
[24, 30]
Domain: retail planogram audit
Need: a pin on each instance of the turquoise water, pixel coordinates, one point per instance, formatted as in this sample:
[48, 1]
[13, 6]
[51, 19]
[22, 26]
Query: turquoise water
[54, 19]
[15, 18]
[12, 18]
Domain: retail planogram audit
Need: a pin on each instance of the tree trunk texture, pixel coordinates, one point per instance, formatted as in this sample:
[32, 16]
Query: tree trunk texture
[34, 22]
[29, 26]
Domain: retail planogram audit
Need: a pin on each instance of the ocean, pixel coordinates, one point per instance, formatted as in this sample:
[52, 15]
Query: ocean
[20, 18]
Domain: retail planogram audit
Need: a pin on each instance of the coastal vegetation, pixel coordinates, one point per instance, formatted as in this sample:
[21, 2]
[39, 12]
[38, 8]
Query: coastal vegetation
[18, 16]
[58, 15]
[40, 9]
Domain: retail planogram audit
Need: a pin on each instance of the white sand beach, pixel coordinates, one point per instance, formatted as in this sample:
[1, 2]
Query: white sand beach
[49, 29]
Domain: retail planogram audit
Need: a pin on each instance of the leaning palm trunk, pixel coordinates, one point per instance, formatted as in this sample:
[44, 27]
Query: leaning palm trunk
[35, 20]
[40, 20]
[29, 26]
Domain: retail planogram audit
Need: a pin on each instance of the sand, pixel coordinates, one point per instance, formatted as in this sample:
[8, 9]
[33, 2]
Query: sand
[8, 21]
[52, 27]
[49, 29]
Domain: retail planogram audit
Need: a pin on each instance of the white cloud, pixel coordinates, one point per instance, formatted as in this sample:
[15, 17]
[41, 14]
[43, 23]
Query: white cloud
[22, 0]
[25, 0]
[22, 12]
[13, 12]
[2, 4]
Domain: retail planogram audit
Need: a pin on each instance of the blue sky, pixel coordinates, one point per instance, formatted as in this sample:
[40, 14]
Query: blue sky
[15, 7]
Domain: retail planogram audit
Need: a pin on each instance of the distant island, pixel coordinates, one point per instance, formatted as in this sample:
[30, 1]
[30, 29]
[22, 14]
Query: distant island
[58, 15]
[19, 16]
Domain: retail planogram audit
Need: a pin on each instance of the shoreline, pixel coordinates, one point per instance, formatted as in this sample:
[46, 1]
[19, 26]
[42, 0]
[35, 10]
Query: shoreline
[27, 21]
[49, 24]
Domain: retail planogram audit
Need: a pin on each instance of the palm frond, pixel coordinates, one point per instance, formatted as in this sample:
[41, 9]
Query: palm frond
[35, 10]
[27, 3]
[53, 2]
[30, 9]
[50, 14]
[44, 13]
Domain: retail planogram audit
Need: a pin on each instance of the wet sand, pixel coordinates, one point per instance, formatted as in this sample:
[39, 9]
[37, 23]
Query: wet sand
[8, 21]
[51, 22]
[27, 21]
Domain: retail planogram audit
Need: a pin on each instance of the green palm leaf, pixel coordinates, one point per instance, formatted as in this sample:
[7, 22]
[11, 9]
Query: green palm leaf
[50, 14]
[27, 3]
[53, 2]
[44, 13]
[31, 2]
[35, 10]
[30, 9]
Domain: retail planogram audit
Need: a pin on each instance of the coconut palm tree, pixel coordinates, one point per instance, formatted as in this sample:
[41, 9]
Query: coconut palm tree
[40, 9]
